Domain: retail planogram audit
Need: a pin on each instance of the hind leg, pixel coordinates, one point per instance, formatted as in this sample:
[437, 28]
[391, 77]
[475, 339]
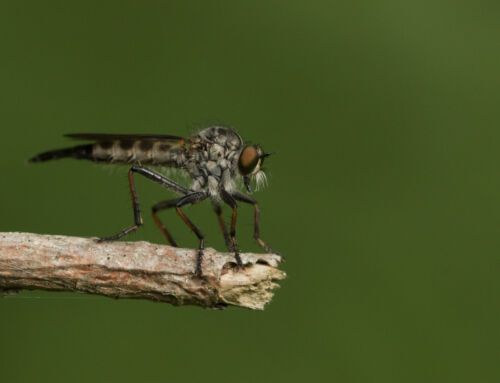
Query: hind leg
[154, 176]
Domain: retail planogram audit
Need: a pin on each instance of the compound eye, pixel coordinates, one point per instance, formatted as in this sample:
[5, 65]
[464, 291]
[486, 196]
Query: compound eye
[249, 158]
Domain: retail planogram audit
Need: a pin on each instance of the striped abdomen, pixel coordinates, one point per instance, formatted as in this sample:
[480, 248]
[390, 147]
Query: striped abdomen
[122, 152]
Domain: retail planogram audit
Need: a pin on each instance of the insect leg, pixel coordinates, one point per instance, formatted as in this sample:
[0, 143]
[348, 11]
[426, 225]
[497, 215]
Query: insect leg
[227, 240]
[161, 206]
[226, 197]
[159, 178]
[154, 176]
[193, 198]
[256, 233]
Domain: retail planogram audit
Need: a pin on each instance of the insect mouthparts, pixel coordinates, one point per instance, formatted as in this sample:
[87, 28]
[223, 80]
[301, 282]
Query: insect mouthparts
[267, 154]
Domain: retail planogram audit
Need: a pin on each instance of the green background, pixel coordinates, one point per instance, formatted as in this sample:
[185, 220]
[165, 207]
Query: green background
[384, 194]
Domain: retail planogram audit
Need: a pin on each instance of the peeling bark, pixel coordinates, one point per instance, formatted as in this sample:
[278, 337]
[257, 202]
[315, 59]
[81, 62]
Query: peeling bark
[136, 270]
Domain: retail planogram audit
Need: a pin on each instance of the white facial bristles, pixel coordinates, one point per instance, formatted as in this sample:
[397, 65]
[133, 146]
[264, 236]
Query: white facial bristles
[260, 180]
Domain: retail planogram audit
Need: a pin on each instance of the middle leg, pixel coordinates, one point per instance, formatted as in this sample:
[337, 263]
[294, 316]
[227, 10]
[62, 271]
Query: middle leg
[227, 240]
[161, 206]
[226, 197]
[193, 198]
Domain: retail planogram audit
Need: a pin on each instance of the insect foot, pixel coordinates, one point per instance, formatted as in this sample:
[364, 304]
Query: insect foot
[105, 239]
[101, 240]
[237, 257]
[199, 260]
[271, 251]
[280, 255]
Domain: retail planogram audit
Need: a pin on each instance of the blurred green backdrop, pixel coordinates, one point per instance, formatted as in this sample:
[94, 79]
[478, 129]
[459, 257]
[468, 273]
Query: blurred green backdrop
[383, 196]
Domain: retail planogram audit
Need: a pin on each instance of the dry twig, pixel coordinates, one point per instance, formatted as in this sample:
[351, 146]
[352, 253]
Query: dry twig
[135, 270]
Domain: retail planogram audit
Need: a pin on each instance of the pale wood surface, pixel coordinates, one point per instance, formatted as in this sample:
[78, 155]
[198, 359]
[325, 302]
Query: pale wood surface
[136, 270]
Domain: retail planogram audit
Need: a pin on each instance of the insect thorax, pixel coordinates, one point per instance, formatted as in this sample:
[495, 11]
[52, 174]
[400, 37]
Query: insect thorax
[213, 159]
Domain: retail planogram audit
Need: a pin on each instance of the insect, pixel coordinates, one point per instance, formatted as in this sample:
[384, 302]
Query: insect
[215, 159]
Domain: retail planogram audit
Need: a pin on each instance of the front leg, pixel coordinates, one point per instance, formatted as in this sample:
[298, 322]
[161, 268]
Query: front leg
[256, 233]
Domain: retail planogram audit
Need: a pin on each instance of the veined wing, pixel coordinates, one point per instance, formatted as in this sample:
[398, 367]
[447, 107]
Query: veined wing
[124, 137]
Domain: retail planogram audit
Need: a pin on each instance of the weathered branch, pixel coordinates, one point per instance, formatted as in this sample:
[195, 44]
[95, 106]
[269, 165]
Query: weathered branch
[135, 270]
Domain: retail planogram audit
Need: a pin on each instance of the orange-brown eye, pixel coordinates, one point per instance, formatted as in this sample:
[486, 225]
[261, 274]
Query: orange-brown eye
[249, 158]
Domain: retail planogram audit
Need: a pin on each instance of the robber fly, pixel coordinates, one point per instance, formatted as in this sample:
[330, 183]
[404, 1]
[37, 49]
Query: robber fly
[215, 159]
